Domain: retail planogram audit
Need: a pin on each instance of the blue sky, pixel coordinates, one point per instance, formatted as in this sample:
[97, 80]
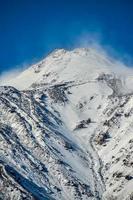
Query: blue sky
[30, 29]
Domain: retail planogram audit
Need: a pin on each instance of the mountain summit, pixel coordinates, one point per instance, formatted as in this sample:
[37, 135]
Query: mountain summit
[66, 129]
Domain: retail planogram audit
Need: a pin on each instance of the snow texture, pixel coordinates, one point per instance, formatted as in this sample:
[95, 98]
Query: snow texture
[66, 129]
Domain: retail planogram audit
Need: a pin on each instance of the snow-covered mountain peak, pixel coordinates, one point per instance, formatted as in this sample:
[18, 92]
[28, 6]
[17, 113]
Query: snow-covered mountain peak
[57, 53]
[66, 131]
[61, 65]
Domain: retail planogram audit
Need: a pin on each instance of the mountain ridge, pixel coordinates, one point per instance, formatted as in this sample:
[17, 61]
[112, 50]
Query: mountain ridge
[66, 130]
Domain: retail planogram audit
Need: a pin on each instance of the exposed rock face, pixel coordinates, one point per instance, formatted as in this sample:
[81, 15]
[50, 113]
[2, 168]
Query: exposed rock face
[66, 131]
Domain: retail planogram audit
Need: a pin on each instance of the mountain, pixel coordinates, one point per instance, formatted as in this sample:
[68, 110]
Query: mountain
[66, 129]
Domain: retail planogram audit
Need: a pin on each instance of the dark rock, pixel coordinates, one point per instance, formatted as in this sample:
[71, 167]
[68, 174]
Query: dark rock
[128, 177]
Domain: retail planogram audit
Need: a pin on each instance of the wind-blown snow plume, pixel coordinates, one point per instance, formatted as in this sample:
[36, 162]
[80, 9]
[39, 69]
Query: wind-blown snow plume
[9, 75]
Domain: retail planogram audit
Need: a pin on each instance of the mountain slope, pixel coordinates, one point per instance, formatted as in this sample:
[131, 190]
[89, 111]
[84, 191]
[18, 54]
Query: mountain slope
[66, 131]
